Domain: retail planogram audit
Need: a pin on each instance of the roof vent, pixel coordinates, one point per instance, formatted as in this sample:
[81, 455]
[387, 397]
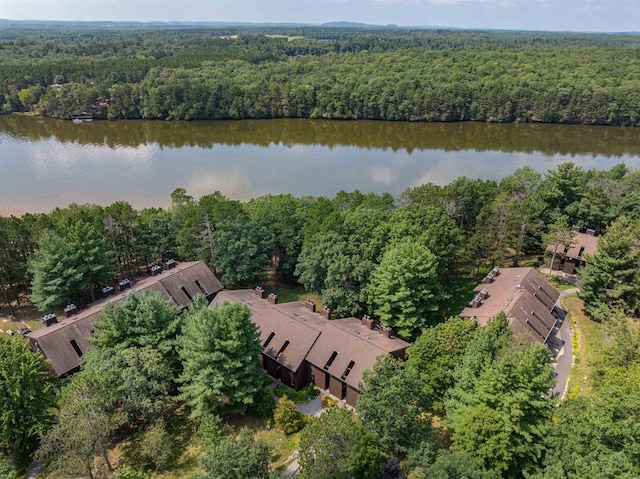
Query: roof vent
[70, 310]
[49, 319]
[124, 284]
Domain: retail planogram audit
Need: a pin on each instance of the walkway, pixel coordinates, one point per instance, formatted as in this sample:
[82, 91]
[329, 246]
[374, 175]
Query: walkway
[34, 470]
[560, 345]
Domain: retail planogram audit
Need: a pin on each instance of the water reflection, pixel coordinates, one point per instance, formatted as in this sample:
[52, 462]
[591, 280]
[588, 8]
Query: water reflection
[47, 163]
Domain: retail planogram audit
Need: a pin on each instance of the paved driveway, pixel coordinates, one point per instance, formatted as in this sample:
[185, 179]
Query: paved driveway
[560, 345]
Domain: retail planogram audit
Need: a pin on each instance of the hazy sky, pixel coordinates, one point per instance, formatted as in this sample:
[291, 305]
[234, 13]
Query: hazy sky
[575, 15]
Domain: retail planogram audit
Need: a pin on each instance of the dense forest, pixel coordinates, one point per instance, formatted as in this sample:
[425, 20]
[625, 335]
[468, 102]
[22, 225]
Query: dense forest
[332, 73]
[470, 402]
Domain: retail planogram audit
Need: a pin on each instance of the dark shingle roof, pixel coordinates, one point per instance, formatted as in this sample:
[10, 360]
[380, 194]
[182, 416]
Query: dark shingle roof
[314, 338]
[526, 298]
[55, 341]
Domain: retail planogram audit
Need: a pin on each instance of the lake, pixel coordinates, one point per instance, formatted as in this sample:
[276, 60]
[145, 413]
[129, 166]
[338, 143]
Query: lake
[46, 163]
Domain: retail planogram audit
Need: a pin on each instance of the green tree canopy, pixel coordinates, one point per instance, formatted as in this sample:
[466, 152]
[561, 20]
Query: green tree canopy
[242, 250]
[610, 278]
[437, 353]
[26, 395]
[504, 419]
[142, 320]
[140, 377]
[405, 291]
[243, 458]
[335, 446]
[54, 272]
[94, 261]
[391, 405]
[219, 349]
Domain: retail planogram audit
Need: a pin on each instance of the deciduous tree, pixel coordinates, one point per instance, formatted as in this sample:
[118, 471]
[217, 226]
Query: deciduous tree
[393, 406]
[336, 446]
[26, 395]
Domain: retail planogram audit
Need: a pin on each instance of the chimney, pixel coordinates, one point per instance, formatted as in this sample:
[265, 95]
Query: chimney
[107, 291]
[310, 305]
[272, 298]
[70, 310]
[155, 270]
[326, 313]
[367, 322]
[483, 294]
[49, 319]
[575, 229]
[259, 292]
[386, 330]
[476, 302]
[171, 264]
[495, 271]
[591, 232]
[124, 284]
[489, 278]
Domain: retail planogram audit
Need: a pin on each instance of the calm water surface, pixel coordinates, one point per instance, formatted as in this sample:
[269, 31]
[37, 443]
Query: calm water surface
[48, 163]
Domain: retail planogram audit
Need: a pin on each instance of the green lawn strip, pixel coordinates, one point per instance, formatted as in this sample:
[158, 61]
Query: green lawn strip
[460, 291]
[559, 284]
[295, 293]
[588, 342]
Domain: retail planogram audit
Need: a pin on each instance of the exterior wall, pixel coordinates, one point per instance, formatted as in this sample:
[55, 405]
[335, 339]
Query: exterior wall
[400, 354]
[320, 377]
[335, 387]
[270, 365]
[285, 376]
[352, 396]
[301, 376]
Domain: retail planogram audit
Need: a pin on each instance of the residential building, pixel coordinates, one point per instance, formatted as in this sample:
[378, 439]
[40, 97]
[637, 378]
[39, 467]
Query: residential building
[302, 345]
[64, 342]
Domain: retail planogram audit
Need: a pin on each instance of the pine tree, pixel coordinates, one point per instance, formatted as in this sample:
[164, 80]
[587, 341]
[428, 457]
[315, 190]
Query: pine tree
[405, 291]
[219, 348]
[611, 277]
[54, 272]
[93, 259]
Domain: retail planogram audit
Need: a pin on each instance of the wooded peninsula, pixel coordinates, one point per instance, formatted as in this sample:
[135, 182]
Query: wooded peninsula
[318, 72]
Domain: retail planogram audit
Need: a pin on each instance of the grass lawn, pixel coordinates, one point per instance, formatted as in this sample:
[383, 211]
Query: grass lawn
[588, 342]
[460, 292]
[559, 284]
[296, 293]
[26, 313]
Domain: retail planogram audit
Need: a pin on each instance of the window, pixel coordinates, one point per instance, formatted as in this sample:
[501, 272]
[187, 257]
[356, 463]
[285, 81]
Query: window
[184, 290]
[348, 370]
[266, 343]
[200, 287]
[284, 346]
[331, 360]
[76, 348]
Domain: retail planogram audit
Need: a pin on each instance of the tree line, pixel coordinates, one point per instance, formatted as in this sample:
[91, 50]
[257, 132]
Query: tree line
[407, 75]
[347, 249]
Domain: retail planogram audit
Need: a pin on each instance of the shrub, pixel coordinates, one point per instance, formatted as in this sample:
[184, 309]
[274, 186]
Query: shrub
[264, 404]
[288, 418]
[298, 397]
[210, 431]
